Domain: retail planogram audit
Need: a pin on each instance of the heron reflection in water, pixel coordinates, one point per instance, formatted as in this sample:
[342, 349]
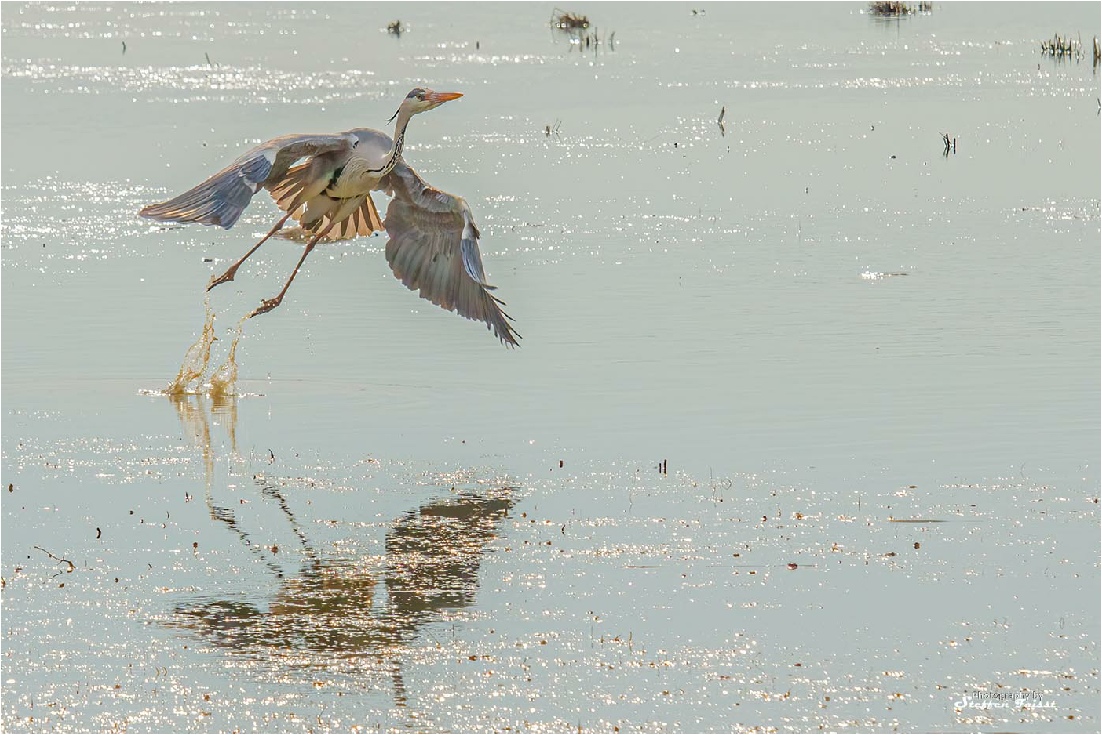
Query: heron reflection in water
[334, 607]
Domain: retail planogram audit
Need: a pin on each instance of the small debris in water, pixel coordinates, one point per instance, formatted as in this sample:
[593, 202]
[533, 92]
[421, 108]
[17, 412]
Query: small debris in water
[918, 545]
[895, 9]
[59, 560]
[568, 21]
[792, 565]
[394, 28]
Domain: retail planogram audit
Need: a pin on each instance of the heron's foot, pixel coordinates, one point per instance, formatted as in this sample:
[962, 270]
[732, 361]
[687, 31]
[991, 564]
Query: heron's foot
[227, 276]
[265, 306]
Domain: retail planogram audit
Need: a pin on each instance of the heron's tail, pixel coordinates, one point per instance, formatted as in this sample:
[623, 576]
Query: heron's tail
[301, 192]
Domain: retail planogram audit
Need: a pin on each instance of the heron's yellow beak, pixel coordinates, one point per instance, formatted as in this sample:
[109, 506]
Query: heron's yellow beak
[442, 97]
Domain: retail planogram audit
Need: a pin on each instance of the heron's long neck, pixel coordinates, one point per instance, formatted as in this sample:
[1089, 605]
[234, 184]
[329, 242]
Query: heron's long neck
[399, 139]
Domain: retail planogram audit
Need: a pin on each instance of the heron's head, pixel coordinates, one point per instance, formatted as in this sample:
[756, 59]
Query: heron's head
[420, 99]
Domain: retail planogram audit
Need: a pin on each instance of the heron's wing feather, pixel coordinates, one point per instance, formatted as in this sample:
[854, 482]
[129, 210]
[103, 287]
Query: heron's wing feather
[433, 248]
[307, 180]
[222, 198]
[293, 189]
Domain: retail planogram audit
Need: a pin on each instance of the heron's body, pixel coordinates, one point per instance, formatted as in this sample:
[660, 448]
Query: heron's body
[325, 183]
[336, 184]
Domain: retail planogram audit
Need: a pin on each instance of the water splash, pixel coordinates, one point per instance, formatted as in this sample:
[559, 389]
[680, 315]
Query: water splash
[223, 381]
[196, 358]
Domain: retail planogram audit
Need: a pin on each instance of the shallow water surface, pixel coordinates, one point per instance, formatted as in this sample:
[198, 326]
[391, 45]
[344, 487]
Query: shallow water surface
[803, 433]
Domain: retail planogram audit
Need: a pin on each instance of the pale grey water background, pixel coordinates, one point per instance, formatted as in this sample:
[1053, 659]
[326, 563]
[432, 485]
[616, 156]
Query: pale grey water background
[380, 534]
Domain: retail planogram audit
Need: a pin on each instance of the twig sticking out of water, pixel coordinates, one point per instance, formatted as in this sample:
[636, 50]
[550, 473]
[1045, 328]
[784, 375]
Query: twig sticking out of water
[950, 144]
[552, 130]
[894, 8]
[1059, 47]
[1097, 52]
[583, 41]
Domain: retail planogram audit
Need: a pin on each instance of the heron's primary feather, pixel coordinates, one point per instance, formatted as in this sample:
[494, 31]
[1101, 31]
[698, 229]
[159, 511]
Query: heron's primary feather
[433, 248]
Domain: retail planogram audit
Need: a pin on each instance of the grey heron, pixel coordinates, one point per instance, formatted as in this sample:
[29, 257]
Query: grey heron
[325, 182]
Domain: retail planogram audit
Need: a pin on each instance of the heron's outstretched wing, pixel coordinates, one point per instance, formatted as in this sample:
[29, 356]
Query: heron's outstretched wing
[222, 198]
[433, 247]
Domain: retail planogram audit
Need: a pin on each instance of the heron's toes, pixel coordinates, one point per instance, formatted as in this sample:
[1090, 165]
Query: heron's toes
[218, 280]
[265, 306]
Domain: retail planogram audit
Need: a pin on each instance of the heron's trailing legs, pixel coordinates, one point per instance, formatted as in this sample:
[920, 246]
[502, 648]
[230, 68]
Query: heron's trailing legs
[268, 304]
[232, 270]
